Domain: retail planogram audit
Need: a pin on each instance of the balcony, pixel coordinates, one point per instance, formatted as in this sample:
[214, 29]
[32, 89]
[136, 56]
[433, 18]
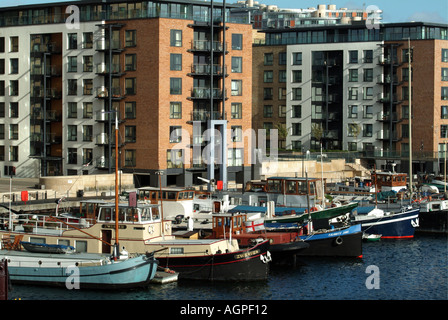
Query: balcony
[51, 47]
[204, 69]
[51, 93]
[103, 93]
[204, 93]
[202, 115]
[386, 135]
[204, 45]
[102, 139]
[385, 116]
[51, 71]
[385, 98]
[103, 69]
[103, 45]
[52, 138]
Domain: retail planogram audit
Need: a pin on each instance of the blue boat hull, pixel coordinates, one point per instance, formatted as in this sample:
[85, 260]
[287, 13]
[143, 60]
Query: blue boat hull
[134, 272]
[400, 225]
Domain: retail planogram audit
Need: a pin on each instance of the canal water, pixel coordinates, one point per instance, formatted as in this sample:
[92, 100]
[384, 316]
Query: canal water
[413, 269]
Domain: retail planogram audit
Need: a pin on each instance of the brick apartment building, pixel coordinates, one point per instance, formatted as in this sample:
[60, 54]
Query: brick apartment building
[160, 64]
[346, 86]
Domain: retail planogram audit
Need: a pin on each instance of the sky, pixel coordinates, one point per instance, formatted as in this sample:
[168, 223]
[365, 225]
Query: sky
[393, 10]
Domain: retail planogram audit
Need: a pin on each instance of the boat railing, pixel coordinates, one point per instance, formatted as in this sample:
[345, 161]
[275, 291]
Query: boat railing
[31, 223]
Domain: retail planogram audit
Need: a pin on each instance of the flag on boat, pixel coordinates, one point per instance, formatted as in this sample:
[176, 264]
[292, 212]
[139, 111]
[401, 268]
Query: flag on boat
[254, 225]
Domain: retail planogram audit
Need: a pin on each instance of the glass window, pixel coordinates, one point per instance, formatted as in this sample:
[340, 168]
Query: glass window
[444, 112]
[444, 74]
[268, 76]
[296, 94]
[72, 64]
[130, 133]
[87, 110]
[87, 86]
[352, 93]
[444, 93]
[130, 158]
[237, 110]
[130, 62]
[72, 110]
[87, 133]
[176, 38]
[72, 86]
[297, 58]
[87, 40]
[282, 58]
[282, 76]
[444, 55]
[353, 112]
[130, 85]
[175, 134]
[296, 76]
[368, 75]
[87, 63]
[297, 111]
[14, 66]
[353, 56]
[368, 93]
[72, 41]
[367, 130]
[268, 59]
[267, 111]
[72, 133]
[368, 112]
[368, 56]
[130, 38]
[296, 129]
[175, 85]
[237, 64]
[14, 87]
[130, 110]
[353, 75]
[237, 41]
[175, 62]
[236, 133]
[268, 93]
[237, 87]
[175, 110]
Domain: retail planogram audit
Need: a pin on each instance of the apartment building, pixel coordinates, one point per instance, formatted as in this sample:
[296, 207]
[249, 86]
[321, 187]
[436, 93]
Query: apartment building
[167, 71]
[346, 87]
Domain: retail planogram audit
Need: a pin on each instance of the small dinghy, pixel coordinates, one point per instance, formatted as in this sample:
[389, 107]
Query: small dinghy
[47, 248]
[371, 237]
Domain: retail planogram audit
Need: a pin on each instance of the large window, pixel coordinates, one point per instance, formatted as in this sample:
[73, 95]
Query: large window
[87, 64]
[130, 133]
[175, 110]
[237, 87]
[175, 134]
[130, 158]
[237, 41]
[176, 86]
[175, 62]
[176, 38]
[72, 41]
[297, 58]
[130, 85]
[130, 62]
[237, 110]
[72, 87]
[130, 38]
[130, 110]
[72, 65]
[237, 64]
[235, 157]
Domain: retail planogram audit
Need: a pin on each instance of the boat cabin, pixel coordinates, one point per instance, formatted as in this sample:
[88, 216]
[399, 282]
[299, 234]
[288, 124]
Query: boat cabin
[389, 181]
[127, 214]
[225, 224]
[154, 194]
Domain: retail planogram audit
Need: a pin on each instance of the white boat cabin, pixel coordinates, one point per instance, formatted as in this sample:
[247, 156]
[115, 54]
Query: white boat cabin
[389, 181]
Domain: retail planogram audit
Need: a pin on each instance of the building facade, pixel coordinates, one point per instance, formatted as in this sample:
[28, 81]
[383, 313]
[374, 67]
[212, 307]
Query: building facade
[347, 88]
[168, 72]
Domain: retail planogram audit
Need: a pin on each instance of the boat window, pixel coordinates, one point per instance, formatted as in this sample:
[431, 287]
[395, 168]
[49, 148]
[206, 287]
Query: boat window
[176, 250]
[81, 246]
[143, 195]
[435, 206]
[146, 214]
[164, 195]
[172, 195]
[190, 195]
[180, 196]
[106, 214]
[291, 187]
[64, 242]
[312, 188]
[155, 214]
[274, 185]
[302, 186]
[37, 240]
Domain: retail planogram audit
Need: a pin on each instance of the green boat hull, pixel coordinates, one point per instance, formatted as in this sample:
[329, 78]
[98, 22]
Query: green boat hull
[328, 213]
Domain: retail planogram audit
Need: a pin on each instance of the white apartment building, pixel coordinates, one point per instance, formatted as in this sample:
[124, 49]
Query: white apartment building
[333, 96]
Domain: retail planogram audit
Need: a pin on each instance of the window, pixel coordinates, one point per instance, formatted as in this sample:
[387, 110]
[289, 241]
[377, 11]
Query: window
[174, 159]
[72, 64]
[87, 155]
[14, 44]
[352, 93]
[72, 110]
[72, 87]
[87, 40]
[282, 76]
[72, 133]
[297, 76]
[130, 133]
[236, 111]
[296, 129]
[175, 134]
[175, 62]
[282, 58]
[130, 85]
[176, 38]
[368, 75]
[130, 37]
[282, 111]
[130, 110]
[2, 88]
[13, 131]
[87, 86]
[2, 66]
[268, 93]
[368, 112]
[13, 109]
[297, 58]
[444, 55]
[368, 93]
[297, 111]
[368, 56]
[296, 145]
[14, 87]
[353, 75]
[176, 86]
[87, 133]
[444, 93]
[130, 62]
[13, 153]
[72, 41]
[353, 112]
[2, 44]
[296, 94]
[353, 130]
[87, 63]
[237, 64]
[235, 157]
[353, 56]
[405, 93]
[268, 76]
[352, 146]
[2, 131]
[2, 109]
[367, 130]
[237, 87]
[268, 59]
[14, 66]
[236, 133]
[72, 155]
[444, 112]
[175, 110]
[130, 158]
[237, 41]
[267, 111]
[444, 74]
[87, 110]
[444, 131]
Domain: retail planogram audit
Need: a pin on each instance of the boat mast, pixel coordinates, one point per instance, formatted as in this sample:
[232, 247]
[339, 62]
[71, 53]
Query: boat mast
[410, 116]
[116, 254]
